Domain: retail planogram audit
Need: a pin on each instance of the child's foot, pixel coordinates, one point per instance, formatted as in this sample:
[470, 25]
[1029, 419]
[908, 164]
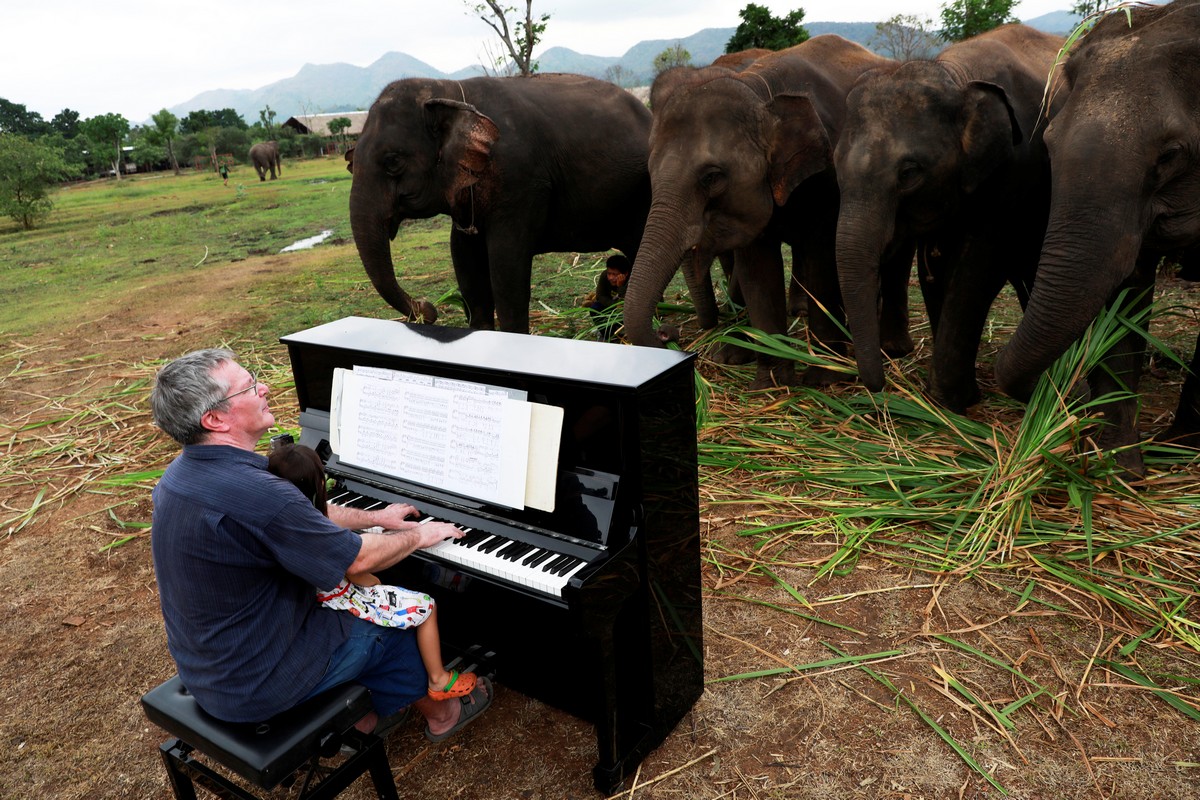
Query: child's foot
[458, 684]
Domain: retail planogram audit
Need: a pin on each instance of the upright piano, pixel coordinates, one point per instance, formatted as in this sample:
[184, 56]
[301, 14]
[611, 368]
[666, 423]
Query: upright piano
[593, 607]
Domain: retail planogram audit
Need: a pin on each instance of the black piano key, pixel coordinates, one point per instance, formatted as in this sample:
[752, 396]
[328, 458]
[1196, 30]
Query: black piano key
[553, 563]
[568, 565]
[473, 537]
[492, 544]
[536, 557]
[515, 551]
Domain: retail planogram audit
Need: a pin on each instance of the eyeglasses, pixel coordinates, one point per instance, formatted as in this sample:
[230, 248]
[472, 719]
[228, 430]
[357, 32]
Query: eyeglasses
[253, 387]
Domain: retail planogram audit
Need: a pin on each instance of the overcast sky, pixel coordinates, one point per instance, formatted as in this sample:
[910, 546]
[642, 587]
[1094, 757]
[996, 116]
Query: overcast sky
[137, 56]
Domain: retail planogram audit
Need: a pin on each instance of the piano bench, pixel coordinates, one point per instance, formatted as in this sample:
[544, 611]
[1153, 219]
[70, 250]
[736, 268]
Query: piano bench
[267, 754]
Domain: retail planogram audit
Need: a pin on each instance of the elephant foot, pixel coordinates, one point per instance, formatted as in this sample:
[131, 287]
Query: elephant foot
[956, 398]
[1127, 449]
[732, 355]
[817, 377]
[773, 374]
[897, 345]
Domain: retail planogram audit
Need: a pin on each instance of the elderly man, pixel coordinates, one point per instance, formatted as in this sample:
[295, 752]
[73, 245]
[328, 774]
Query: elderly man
[239, 554]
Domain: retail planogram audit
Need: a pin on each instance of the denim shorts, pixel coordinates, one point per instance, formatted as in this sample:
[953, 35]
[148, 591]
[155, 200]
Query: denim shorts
[385, 660]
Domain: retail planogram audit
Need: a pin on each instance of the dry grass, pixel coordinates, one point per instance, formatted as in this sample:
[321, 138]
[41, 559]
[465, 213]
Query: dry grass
[855, 645]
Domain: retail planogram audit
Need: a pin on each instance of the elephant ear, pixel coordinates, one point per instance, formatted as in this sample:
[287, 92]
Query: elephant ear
[464, 137]
[800, 148]
[350, 160]
[990, 132]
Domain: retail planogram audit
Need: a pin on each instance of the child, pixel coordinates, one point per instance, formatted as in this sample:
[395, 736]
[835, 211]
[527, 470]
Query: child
[362, 594]
[610, 287]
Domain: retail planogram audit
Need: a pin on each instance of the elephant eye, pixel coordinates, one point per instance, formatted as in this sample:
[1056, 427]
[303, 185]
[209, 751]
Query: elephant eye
[393, 164]
[712, 181]
[909, 176]
[1169, 160]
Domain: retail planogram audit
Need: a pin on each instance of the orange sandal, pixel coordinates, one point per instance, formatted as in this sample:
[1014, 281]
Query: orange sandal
[460, 685]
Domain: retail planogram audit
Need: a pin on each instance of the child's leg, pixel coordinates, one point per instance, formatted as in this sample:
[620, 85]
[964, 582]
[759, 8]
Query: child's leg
[429, 644]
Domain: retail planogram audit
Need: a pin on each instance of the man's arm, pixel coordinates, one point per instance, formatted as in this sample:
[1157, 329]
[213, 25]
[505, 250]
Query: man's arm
[382, 550]
[393, 517]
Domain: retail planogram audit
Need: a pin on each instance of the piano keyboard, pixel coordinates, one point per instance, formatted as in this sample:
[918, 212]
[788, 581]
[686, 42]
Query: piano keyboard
[540, 568]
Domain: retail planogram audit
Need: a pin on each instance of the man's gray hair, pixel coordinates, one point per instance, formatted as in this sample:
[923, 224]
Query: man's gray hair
[184, 390]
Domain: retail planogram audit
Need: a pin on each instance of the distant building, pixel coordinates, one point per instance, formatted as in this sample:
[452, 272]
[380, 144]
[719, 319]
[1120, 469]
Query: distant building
[318, 124]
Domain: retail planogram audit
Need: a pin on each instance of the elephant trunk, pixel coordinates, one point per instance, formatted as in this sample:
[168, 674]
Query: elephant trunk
[373, 231]
[665, 241]
[863, 232]
[1085, 258]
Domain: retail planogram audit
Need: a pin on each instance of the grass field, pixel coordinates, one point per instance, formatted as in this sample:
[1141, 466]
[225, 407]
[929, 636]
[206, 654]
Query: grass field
[900, 602]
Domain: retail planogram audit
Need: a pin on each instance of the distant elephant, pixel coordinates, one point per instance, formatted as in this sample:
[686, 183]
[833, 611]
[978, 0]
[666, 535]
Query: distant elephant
[1125, 191]
[946, 155]
[742, 162]
[549, 163]
[265, 156]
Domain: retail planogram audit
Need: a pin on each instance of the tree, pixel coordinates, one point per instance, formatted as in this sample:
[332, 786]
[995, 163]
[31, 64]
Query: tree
[108, 130]
[759, 29]
[905, 37]
[528, 32]
[1085, 8]
[166, 127]
[619, 76]
[267, 117]
[15, 118]
[962, 19]
[66, 122]
[200, 119]
[673, 56]
[338, 126]
[28, 171]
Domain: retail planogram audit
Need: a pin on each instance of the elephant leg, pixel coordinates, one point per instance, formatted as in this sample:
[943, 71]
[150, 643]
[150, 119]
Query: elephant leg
[970, 285]
[759, 267]
[1185, 429]
[696, 268]
[1120, 372]
[510, 267]
[470, 256]
[894, 337]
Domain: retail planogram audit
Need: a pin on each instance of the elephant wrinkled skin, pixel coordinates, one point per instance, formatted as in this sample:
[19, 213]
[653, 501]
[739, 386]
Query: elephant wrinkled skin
[742, 162]
[549, 163]
[1125, 192]
[265, 156]
[946, 155]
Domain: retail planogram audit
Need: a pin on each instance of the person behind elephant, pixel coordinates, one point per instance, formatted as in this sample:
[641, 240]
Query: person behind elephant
[237, 561]
[610, 289]
[362, 594]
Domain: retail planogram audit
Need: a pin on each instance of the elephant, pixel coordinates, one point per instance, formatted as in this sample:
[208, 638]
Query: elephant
[265, 156]
[522, 166]
[742, 162]
[946, 155]
[1125, 191]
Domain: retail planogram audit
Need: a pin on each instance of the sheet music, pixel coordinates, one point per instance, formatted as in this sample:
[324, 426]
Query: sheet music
[468, 438]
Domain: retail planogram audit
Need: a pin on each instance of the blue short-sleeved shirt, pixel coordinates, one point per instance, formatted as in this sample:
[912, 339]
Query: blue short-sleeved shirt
[239, 554]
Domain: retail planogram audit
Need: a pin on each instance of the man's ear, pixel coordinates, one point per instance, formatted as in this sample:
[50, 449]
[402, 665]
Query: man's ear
[211, 421]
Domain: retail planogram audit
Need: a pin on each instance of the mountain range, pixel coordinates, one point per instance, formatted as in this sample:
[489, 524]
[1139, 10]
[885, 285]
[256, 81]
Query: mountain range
[318, 88]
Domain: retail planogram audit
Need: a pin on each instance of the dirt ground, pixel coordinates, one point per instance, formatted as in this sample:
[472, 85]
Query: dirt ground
[81, 639]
